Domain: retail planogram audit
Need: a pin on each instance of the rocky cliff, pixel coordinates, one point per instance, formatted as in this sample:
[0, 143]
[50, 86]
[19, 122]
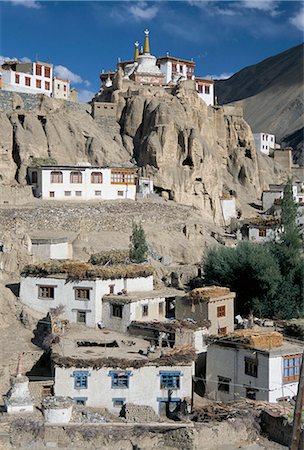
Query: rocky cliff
[194, 153]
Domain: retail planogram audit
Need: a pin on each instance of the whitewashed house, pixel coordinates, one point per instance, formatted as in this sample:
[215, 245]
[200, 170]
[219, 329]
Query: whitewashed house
[236, 369]
[120, 370]
[174, 68]
[205, 89]
[82, 298]
[264, 142]
[275, 192]
[260, 230]
[30, 78]
[212, 303]
[82, 182]
[61, 88]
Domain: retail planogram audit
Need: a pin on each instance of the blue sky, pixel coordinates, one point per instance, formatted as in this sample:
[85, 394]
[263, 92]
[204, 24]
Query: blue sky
[83, 37]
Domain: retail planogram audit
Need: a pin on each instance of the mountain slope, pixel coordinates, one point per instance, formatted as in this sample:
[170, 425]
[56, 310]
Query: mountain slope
[271, 93]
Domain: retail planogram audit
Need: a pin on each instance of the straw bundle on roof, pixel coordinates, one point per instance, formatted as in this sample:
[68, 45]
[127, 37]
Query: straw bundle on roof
[261, 339]
[207, 292]
[79, 270]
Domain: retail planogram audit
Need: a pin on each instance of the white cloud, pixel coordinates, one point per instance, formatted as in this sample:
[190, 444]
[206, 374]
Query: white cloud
[222, 76]
[65, 73]
[85, 96]
[298, 20]
[141, 11]
[3, 59]
[26, 3]
[268, 6]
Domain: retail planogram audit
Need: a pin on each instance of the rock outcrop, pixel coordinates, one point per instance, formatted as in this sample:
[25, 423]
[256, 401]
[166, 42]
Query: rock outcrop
[194, 153]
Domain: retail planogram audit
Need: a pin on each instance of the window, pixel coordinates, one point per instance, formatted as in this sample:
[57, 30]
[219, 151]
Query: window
[266, 137]
[38, 84]
[98, 193]
[271, 139]
[221, 311]
[52, 194]
[46, 292]
[251, 367]
[38, 69]
[120, 193]
[34, 177]
[58, 86]
[262, 232]
[223, 384]
[122, 177]
[222, 331]
[78, 193]
[96, 177]
[161, 310]
[47, 72]
[17, 78]
[76, 177]
[251, 393]
[80, 379]
[118, 402]
[117, 310]
[180, 67]
[207, 89]
[82, 294]
[27, 81]
[170, 380]
[145, 310]
[200, 88]
[120, 379]
[111, 288]
[291, 368]
[47, 85]
[64, 87]
[173, 67]
[67, 193]
[81, 317]
[56, 176]
[80, 400]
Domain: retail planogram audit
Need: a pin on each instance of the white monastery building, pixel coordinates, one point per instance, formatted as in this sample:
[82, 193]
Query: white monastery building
[119, 370]
[82, 298]
[264, 142]
[82, 183]
[260, 372]
[173, 68]
[61, 88]
[205, 89]
[30, 78]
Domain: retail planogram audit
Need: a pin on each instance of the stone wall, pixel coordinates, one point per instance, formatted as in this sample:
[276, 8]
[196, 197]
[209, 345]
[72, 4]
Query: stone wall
[33, 101]
[16, 195]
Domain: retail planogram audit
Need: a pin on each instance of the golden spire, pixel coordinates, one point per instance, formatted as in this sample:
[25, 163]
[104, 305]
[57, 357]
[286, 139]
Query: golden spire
[136, 53]
[146, 45]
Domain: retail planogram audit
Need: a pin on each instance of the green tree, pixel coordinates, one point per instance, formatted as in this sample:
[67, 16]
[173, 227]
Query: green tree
[251, 271]
[138, 245]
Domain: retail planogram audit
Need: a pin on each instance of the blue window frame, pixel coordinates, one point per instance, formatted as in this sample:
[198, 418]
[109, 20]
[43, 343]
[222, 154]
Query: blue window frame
[120, 379]
[118, 402]
[170, 380]
[80, 379]
[80, 400]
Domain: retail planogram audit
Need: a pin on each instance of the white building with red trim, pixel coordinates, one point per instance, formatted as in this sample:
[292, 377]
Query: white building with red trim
[30, 78]
[173, 67]
[205, 89]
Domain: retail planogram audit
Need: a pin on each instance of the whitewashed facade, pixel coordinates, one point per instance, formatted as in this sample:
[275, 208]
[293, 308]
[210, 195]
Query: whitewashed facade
[173, 67]
[276, 191]
[53, 248]
[30, 78]
[61, 88]
[264, 142]
[143, 386]
[82, 183]
[205, 89]
[228, 208]
[81, 299]
[234, 371]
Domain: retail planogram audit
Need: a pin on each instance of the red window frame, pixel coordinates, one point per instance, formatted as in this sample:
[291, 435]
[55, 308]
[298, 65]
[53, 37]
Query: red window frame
[17, 78]
[56, 176]
[76, 177]
[47, 85]
[96, 178]
[221, 311]
[38, 69]
[27, 81]
[47, 72]
[38, 84]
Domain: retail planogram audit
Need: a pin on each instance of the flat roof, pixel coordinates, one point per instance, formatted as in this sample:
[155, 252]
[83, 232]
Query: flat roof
[174, 58]
[136, 296]
[205, 80]
[208, 293]
[46, 167]
[85, 347]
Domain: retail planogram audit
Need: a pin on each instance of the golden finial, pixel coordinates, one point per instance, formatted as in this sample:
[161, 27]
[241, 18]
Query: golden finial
[136, 53]
[146, 45]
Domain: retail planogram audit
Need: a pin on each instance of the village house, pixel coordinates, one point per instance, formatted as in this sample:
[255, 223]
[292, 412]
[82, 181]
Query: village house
[275, 192]
[61, 88]
[257, 365]
[45, 248]
[205, 89]
[120, 310]
[174, 68]
[119, 370]
[84, 182]
[27, 77]
[79, 287]
[264, 142]
[213, 303]
[261, 229]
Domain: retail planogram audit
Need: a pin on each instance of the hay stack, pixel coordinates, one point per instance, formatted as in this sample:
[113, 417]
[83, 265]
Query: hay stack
[263, 340]
[208, 292]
